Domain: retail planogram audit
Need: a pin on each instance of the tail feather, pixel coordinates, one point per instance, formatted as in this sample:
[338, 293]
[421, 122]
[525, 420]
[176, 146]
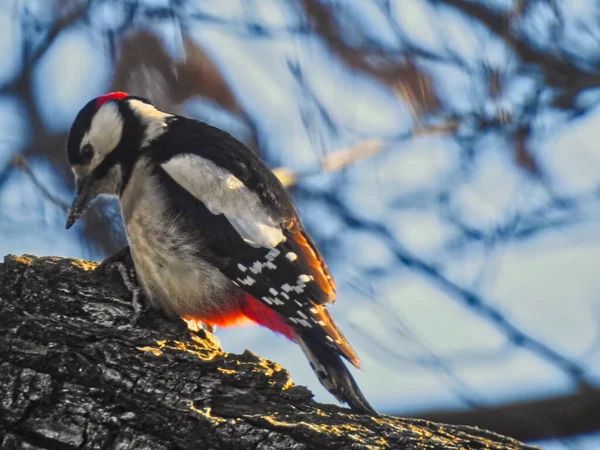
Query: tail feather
[333, 374]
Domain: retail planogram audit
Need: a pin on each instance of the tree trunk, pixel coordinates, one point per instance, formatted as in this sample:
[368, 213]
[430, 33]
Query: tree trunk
[75, 375]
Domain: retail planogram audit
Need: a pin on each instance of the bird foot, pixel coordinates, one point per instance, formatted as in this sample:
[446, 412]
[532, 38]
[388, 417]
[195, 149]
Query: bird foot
[130, 281]
[123, 262]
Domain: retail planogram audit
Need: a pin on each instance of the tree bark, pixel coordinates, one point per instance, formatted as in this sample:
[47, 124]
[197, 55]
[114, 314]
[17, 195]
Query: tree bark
[75, 375]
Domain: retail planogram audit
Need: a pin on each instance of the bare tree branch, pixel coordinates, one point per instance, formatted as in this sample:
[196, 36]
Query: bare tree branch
[71, 377]
[562, 416]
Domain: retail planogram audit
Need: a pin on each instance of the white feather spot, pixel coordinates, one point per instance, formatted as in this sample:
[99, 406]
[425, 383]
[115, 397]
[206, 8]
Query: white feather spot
[304, 278]
[248, 281]
[272, 254]
[278, 302]
[256, 267]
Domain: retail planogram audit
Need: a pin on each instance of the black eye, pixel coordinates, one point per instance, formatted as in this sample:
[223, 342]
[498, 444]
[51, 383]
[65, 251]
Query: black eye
[87, 153]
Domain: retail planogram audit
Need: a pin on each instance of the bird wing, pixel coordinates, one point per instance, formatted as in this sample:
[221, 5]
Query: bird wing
[224, 193]
[244, 216]
[230, 180]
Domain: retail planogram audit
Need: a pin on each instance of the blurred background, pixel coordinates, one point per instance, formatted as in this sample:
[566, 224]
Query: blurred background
[442, 153]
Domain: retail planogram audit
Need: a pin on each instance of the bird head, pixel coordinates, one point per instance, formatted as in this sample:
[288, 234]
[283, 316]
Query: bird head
[105, 140]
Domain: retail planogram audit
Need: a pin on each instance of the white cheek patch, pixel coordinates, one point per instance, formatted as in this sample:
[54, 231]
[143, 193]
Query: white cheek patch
[155, 121]
[105, 131]
[223, 193]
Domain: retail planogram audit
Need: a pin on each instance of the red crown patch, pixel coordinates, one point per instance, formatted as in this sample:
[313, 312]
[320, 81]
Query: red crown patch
[108, 97]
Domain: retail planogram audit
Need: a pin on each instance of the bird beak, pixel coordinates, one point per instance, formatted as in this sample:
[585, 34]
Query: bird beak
[81, 202]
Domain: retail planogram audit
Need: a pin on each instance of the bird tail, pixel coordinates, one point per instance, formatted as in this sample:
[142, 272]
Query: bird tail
[333, 374]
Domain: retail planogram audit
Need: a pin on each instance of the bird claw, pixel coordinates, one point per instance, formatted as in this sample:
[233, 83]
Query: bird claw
[124, 264]
[139, 308]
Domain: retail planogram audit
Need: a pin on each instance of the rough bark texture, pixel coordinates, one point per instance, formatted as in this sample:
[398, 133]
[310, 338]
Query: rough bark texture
[73, 375]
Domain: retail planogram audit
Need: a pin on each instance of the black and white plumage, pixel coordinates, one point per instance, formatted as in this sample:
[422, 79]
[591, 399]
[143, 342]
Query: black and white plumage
[214, 235]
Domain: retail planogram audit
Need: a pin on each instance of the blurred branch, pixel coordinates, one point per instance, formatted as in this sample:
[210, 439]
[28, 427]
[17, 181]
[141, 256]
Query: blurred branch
[341, 159]
[523, 154]
[32, 51]
[333, 162]
[64, 20]
[558, 213]
[20, 162]
[404, 77]
[251, 28]
[557, 71]
[546, 418]
[391, 350]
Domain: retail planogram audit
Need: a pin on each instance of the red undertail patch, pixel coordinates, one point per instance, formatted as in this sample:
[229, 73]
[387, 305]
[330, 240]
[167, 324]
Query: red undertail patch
[250, 311]
[261, 314]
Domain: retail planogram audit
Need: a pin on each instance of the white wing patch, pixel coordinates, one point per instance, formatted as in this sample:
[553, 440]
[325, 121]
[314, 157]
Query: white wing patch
[223, 193]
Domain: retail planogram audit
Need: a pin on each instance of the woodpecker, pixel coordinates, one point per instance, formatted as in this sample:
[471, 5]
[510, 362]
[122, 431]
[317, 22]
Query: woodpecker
[214, 235]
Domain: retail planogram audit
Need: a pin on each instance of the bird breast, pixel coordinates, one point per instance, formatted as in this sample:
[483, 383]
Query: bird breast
[166, 259]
